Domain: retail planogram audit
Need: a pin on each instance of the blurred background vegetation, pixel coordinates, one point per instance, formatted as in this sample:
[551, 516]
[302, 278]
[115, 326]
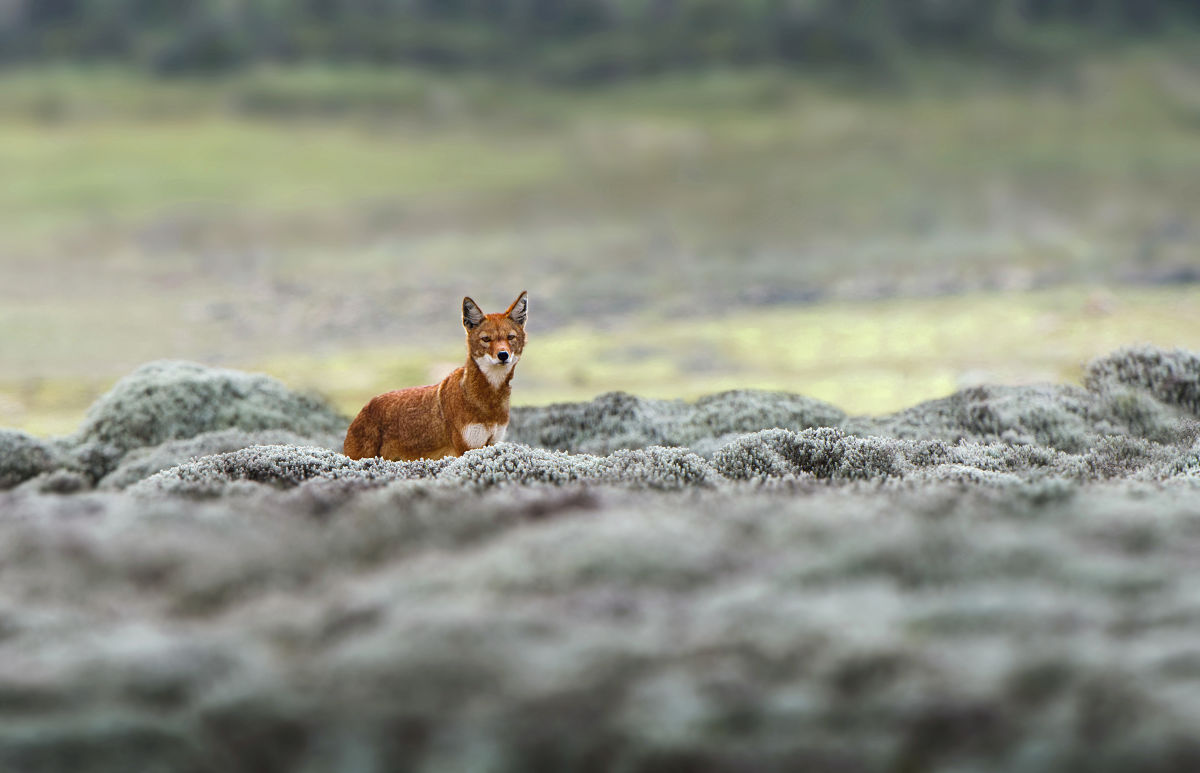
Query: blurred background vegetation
[572, 41]
[870, 202]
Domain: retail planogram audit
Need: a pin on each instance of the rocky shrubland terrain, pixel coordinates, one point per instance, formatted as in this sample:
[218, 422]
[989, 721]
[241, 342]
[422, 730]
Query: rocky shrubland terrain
[1004, 579]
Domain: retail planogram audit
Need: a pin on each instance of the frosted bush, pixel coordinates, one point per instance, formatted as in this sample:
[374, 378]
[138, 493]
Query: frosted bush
[617, 420]
[23, 457]
[507, 463]
[1172, 377]
[1054, 416]
[822, 453]
[610, 422]
[143, 462]
[751, 410]
[654, 467]
[1121, 410]
[59, 481]
[168, 400]
[515, 463]
[280, 467]
[658, 468]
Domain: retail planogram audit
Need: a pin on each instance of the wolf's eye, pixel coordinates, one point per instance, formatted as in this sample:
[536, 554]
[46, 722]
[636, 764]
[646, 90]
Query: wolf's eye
[485, 339]
[511, 337]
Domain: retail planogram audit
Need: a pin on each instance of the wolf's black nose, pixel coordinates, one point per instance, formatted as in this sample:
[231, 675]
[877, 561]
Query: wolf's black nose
[502, 356]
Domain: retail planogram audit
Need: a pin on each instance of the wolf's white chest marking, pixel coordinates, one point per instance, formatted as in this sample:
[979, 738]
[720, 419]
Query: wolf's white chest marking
[479, 435]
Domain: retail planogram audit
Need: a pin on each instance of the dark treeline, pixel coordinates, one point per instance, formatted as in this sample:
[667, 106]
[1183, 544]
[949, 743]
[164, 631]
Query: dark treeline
[567, 39]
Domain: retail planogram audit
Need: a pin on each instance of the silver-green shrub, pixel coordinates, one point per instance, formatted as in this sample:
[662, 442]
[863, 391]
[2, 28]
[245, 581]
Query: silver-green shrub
[653, 468]
[283, 466]
[617, 420]
[23, 456]
[1172, 377]
[168, 400]
[278, 466]
[141, 463]
[1054, 416]
[825, 453]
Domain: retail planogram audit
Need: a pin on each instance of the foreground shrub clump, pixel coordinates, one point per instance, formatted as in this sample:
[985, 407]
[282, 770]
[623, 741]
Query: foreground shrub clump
[581, 628]
[824, 453]
[505, 464]
[141, 463]
[1002, 579]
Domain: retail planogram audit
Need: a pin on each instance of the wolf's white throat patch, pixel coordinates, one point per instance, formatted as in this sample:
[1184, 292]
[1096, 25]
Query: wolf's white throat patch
[495, 371]
[479, 435]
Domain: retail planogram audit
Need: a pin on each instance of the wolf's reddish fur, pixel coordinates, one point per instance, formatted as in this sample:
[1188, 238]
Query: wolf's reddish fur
[468, 409]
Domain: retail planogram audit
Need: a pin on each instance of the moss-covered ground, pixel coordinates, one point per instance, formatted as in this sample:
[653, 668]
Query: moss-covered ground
[1005, 579]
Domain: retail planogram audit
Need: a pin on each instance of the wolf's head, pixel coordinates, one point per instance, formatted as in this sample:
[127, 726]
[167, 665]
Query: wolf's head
[495, 341]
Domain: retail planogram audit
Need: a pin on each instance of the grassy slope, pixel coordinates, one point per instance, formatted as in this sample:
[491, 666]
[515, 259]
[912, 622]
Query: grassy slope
[317, 222]
[864, 357]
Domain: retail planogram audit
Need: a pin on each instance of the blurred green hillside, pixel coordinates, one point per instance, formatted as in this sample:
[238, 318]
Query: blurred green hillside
[322, 219]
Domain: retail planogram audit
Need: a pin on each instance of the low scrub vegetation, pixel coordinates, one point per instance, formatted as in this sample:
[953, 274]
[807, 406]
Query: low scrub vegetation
[197, 579]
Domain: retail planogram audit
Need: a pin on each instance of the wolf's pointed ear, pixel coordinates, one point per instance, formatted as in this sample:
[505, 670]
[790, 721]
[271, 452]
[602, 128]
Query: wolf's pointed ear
[472, 314]
[519, 309]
